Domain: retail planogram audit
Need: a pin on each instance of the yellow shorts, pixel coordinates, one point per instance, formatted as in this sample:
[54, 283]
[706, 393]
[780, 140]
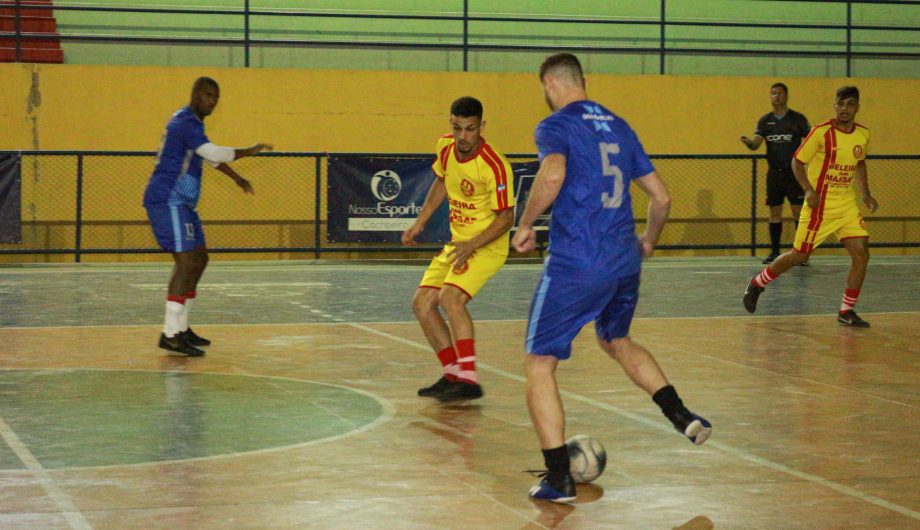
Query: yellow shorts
[470, 278]
[815, 227]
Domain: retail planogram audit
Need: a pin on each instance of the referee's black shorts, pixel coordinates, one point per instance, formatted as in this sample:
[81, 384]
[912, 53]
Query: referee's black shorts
[781, 185]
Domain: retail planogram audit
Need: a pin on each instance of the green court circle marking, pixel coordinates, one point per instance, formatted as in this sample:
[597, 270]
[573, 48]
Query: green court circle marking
[78, 418]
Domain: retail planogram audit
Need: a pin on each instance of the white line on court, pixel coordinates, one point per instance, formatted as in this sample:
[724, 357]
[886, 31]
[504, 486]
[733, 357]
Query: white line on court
[238, 284]
[840, 488]
[657, 263]
[389, 410]
[338, 321]
[810, 381]
[63, 502]
[383, 322]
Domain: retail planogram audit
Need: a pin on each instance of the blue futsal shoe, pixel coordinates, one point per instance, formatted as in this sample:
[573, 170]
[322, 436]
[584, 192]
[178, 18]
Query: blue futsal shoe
[565, 492]
[697, 430]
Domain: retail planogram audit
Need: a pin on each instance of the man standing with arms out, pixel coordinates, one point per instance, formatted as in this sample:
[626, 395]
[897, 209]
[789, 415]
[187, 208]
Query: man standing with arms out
[588, 158]
[783, 129]
[476, 179]
[835, 153]
[171, 199]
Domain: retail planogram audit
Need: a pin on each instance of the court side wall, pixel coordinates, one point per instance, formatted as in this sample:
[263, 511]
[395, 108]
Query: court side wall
[86, 107]
[92, 107]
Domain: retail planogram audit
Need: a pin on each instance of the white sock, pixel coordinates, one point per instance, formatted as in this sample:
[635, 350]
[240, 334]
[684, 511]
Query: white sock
[174, 311]
[183, 316]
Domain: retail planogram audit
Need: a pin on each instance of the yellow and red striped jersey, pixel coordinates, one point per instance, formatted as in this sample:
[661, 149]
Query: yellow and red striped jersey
[832, 156]
[477, 189]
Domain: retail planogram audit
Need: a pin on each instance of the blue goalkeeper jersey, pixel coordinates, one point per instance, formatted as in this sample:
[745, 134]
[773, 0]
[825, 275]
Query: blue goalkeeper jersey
[177, 177]
[592, 222]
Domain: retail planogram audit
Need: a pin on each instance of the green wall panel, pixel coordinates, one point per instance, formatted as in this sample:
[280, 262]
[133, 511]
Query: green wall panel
[332, 32]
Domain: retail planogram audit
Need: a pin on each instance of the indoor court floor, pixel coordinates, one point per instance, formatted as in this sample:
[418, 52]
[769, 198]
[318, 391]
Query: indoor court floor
[304, 414]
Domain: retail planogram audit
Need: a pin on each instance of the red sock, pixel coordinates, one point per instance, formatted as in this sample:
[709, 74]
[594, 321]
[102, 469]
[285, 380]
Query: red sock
[766, 276]
[849, 300]
[466, 353]
[448, 358]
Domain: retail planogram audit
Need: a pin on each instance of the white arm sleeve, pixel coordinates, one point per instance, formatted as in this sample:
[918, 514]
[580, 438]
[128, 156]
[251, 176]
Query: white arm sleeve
[216, 153]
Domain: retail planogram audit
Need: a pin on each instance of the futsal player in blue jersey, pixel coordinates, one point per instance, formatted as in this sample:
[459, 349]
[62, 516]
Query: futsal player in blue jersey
[171, 199]
[588, 158]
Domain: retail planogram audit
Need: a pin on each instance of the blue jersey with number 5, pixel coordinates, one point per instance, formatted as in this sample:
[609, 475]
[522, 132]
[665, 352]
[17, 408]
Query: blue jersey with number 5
[592, 223]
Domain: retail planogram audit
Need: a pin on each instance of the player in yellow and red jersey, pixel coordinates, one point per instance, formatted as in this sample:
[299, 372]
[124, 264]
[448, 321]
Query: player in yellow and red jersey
[835, 155]
[476, 180]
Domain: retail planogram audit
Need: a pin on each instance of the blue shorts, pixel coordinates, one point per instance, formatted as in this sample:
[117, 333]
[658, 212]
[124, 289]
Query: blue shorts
[176, 228]
[566, 300]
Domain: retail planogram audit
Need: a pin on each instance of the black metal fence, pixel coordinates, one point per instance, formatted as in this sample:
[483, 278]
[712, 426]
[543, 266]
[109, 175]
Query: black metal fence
[81, 202]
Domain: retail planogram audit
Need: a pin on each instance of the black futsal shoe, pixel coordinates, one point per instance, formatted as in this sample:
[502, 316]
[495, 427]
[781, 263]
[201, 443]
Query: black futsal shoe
[193, 339]
[696, 428]
[751, 294]
[460, 391]
[769, 259]
[850, 318]
[178, 346]
[435, 389]
[554, 488]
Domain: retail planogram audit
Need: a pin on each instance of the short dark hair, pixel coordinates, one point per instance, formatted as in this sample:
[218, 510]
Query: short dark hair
[848, 91]
[780, 85]
[563, 63]
[467, 107]
[204, 81]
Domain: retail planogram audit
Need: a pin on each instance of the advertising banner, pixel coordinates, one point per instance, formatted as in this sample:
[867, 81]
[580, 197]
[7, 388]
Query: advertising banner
[374, 199]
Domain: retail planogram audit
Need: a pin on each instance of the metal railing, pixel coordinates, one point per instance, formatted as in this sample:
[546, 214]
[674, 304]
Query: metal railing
[89, 202]
[463, 41]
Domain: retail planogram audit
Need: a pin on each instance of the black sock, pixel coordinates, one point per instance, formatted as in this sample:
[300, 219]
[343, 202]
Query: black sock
[557, 460]
[776, 230]
[672, 406]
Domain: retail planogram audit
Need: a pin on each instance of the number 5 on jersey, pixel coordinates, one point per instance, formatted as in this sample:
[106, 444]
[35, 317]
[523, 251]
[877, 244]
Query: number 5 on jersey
[611, 170]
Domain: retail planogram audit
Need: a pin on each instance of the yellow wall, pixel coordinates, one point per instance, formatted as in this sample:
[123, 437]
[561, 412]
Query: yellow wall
[80, 107]
[126, 107]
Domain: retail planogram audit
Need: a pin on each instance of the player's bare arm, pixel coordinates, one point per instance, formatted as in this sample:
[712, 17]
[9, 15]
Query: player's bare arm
[464, 249]
[862, 185]
[436, 195]
[244, 184]
[752, 143]
[659, 206]
[546, 186]
[798, 169]
[252, 150]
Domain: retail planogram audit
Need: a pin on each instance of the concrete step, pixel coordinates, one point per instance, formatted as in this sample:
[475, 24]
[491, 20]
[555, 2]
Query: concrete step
[32, 55]
[49, 43]
[28, 24]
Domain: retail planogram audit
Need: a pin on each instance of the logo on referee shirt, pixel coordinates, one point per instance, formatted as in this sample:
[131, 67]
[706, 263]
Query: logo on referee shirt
[386, 185]
[857, 151]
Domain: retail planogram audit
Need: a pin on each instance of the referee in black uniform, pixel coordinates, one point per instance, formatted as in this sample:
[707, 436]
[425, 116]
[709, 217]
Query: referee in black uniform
[783, 129]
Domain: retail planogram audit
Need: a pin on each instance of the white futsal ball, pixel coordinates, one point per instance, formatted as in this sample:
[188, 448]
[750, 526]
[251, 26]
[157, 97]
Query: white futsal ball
[587, 458]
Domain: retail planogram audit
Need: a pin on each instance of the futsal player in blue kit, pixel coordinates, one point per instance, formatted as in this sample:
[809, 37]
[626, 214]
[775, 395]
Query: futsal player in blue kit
[588, 158]
[171, 199]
